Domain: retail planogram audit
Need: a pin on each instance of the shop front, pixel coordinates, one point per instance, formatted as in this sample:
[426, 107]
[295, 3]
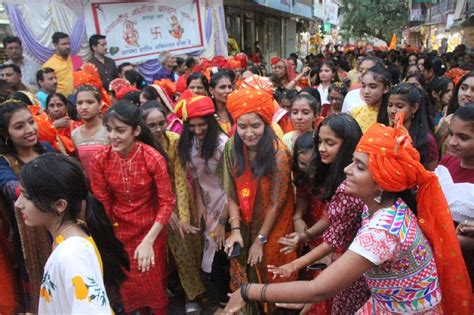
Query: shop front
[273, 27]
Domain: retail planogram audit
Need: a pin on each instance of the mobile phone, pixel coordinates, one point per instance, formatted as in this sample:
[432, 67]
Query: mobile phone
[316, 266]
[235, 251]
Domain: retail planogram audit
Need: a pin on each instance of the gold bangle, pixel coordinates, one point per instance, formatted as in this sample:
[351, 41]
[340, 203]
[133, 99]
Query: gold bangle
[233, 218]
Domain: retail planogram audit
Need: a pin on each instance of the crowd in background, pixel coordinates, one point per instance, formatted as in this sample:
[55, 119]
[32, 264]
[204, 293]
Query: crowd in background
[351, 171]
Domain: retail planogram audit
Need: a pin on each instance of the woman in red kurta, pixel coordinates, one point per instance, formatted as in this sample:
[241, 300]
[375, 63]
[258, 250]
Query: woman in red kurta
[130, 178]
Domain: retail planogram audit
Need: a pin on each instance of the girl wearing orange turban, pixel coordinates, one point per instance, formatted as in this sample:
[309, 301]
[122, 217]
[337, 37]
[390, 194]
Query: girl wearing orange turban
[406, 248]
[89, 75]
[200, 149]
[257, 179]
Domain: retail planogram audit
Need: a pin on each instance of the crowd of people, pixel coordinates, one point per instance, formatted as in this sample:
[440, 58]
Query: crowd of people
[341, 183]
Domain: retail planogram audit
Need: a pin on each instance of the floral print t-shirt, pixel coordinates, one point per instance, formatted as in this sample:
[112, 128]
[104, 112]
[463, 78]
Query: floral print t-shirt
[72, 281]
[404, 278]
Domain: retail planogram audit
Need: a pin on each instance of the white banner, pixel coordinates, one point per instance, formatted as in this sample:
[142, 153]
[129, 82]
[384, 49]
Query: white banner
[138, 31]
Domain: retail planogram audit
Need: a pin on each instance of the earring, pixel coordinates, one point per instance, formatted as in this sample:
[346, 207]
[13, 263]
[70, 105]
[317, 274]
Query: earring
[6, 141]
[378, 199]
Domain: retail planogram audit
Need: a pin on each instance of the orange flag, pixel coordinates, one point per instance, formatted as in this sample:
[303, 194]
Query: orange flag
[393, 43]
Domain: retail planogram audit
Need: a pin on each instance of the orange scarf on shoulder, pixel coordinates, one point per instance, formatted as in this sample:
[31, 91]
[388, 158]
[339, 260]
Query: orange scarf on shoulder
[395, 166]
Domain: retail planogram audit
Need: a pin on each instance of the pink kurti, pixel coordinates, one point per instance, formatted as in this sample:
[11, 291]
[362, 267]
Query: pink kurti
[136, 193]
[86, 148]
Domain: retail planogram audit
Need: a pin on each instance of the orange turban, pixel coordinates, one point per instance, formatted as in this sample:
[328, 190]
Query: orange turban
[456, 74]
[395, 166]
[167, 85]
[245, 101]
[88, 75]
[258, 83]
[189, 106]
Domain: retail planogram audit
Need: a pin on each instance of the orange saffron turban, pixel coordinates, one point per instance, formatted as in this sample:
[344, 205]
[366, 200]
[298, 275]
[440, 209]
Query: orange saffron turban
[395, 166]
[245, 101]
[89, 75]
[167, 85]
[190, 106]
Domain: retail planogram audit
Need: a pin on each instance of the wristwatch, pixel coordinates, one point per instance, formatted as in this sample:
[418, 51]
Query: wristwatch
[262, 238]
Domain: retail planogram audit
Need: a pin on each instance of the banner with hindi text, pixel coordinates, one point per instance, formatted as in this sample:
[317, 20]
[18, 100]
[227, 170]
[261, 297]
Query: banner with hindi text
[138, 31]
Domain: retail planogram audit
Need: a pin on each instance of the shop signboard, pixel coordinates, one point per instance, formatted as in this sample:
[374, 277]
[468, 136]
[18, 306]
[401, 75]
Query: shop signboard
[331, 12]
[139, 30]
[318, 9]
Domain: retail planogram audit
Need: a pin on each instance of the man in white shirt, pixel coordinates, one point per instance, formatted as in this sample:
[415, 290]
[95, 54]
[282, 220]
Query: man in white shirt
[28, 66]
[354, 98]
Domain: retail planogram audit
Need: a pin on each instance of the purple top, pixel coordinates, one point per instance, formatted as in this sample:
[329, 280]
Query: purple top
[163, 73]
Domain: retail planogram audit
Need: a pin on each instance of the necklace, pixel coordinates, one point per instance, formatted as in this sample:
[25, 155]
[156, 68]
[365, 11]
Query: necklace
[60, 237]
[126, 170]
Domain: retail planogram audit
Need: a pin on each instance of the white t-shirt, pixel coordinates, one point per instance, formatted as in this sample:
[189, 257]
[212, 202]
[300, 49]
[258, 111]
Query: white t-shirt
[72, 280]
[352, 100]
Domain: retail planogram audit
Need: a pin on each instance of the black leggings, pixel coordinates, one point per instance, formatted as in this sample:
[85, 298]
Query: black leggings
[217, 282]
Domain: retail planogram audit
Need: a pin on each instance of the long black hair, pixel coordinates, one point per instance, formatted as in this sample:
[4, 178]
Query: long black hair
[326, 178]
[421, 125]
[53, 176]
[264, 162]
[331, 65]
[132, 116]
[150, 93]
[209, 143]
[439, 85]
[303, 144]
[22, 97]
[7, 109]
[454, 105]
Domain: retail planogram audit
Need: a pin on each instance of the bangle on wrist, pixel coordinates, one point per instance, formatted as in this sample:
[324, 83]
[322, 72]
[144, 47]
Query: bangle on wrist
[244, 292]
[297, 218]
[233, 218]
[235, 228]
[263, 295]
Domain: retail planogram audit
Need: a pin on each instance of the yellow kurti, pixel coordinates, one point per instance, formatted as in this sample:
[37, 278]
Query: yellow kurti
[186, 251]
[365, 116]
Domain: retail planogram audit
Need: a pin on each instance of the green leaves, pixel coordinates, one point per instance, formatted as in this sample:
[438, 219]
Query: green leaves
[375, 18]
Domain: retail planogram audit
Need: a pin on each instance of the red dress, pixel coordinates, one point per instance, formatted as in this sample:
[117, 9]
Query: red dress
[136, 193]
[317, 210]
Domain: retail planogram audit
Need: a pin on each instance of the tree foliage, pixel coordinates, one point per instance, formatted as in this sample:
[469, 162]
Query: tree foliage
[377, 18]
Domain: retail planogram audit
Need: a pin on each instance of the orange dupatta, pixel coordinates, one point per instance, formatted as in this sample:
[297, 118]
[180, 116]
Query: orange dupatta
[246, 185]
[395, 166]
